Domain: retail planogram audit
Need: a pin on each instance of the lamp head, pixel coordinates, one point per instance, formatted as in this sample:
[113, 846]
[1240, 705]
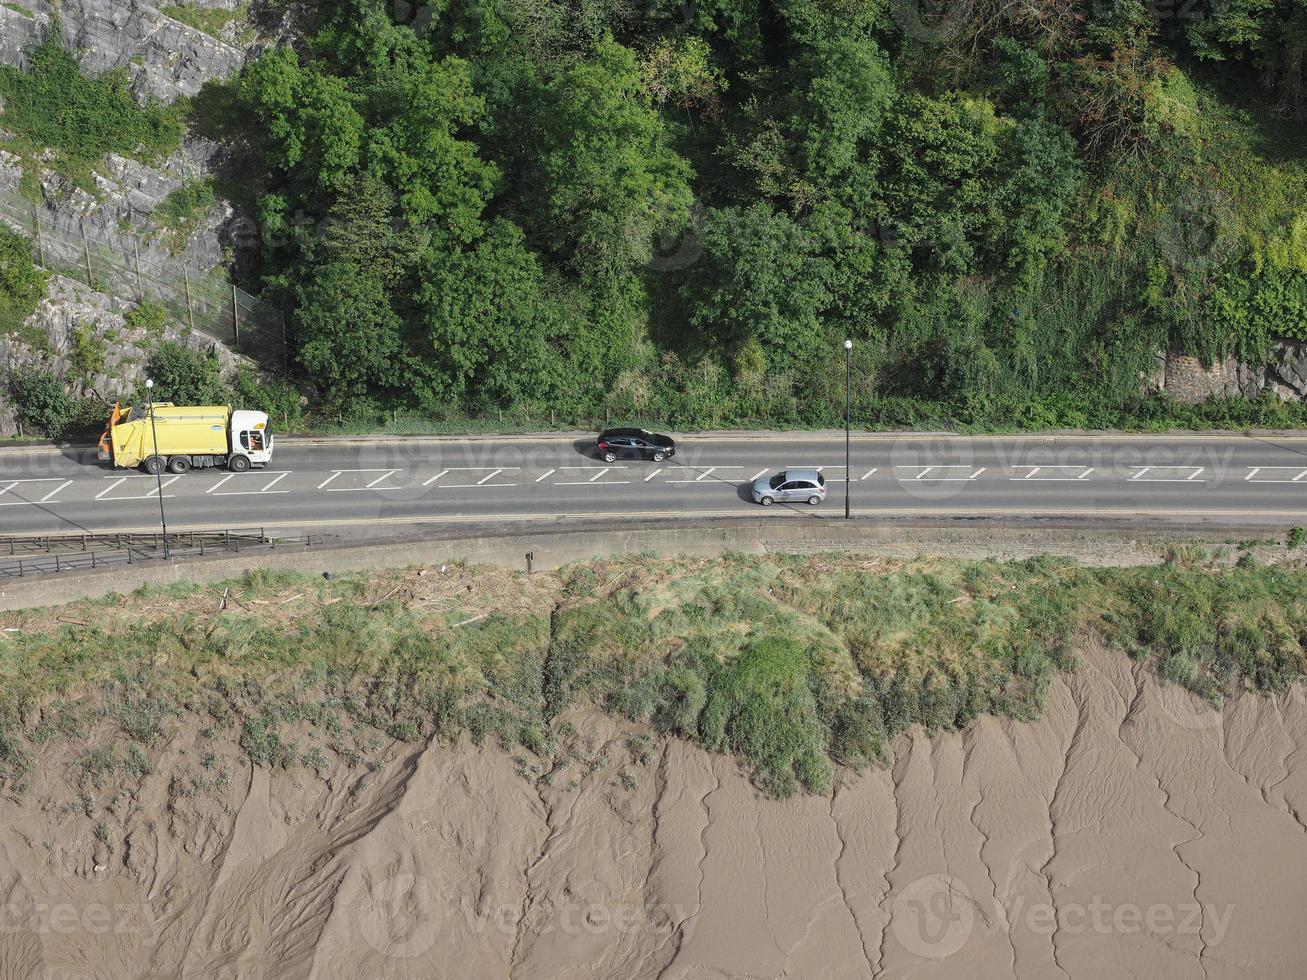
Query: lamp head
[848, 345]
[149, 382]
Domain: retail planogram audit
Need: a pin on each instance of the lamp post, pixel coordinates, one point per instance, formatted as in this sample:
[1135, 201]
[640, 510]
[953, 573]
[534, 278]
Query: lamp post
[848, 404]
[158, 473]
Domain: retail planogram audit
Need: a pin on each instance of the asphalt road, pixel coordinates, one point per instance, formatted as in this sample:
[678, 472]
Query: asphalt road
[1221, 479]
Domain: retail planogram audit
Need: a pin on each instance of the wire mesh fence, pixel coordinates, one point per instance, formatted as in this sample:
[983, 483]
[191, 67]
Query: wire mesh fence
[205, 301]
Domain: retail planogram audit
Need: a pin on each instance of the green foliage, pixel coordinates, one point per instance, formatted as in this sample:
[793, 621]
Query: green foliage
[54, 105]
[42, 401]
[597, 209]
[210, 20]
[149, 316]
[22, 284]
[88, 352]
[184, 376]
[181, 211]
[789, 664]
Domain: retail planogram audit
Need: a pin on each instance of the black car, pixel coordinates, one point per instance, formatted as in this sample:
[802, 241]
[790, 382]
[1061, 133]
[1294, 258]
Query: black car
[617, 444]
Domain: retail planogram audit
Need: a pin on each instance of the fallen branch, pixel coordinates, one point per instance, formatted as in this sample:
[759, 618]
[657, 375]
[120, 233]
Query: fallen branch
[386, 596]
[472, 620]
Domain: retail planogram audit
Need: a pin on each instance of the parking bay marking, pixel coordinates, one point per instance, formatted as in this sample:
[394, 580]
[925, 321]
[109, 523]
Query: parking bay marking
[708, 471]
[385, 474]
[11, 484]
[1194, 473]
[266, 488]
[152, 495]
[923, 474]
[1060, 468]
[483, 482]
[1299, 476]
[591, 481]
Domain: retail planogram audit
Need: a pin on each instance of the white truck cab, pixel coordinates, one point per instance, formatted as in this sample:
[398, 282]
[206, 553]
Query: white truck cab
[251, 437]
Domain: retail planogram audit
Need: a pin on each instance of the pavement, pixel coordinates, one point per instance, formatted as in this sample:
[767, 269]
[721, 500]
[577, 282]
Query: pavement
[374, 484]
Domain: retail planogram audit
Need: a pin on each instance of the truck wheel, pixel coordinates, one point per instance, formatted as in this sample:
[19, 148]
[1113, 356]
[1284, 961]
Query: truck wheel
[179, 464]
[238, 464]
[154, 464]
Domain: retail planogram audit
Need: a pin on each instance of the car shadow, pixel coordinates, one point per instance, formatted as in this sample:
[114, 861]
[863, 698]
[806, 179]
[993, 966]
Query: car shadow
[586, 448]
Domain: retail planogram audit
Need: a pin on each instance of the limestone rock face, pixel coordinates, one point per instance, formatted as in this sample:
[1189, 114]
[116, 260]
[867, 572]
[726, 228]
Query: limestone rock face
[164, 58]
[1290, 366]
[72, 314]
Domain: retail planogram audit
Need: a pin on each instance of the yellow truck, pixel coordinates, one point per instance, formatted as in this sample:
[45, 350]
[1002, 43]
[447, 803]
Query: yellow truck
[182, 437]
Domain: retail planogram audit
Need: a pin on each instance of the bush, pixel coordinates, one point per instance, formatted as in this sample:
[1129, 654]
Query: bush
[22, 284]
[184, 376]
[42, 401]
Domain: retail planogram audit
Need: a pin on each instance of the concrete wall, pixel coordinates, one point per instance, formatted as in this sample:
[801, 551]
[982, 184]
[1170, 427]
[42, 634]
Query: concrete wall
[552, 549]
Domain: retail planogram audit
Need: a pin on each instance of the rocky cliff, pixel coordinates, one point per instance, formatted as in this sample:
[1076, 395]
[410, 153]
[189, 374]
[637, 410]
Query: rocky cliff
[163, 57]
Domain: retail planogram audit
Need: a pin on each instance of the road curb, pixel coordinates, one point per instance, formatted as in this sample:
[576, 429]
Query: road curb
[724, 435]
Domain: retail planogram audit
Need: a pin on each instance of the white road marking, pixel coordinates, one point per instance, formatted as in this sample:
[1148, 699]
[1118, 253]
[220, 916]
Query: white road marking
[1191, 478]
[759, 475]
[220, 483]
[383, 476]
[1084, 473]
[121, 480]
[599, 474]
[870, 472]
[276, 480]
[1272, 477]
[323, 484]
[653, 474]
[706, 473]
[924, 472]
[163, 485]
[11, 484]
[66, 483]
[487, 479]
[435, 478]
[976, 474]
[546, 475]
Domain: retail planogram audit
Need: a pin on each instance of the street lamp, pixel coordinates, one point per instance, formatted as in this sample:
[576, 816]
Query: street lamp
[158, 473]
[848, 402]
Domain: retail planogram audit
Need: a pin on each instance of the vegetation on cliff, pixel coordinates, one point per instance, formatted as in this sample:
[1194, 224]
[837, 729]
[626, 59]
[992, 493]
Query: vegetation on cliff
[792, 665]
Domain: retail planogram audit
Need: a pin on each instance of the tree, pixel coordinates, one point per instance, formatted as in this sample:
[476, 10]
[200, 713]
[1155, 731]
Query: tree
[609, 177]
[349, 336]
[760, 281]
[184, 376]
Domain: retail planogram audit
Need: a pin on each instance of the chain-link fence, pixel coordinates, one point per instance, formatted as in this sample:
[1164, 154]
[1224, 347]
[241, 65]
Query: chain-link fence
[203, 300]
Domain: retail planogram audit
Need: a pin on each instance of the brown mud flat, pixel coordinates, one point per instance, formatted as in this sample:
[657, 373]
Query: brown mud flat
[1130, 831]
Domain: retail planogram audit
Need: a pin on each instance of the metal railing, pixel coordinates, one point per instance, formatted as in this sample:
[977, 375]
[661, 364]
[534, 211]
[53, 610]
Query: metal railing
[22, 556]
[203, 300]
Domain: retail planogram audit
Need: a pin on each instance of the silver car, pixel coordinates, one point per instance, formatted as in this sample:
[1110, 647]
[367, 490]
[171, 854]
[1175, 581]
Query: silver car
[789, 486]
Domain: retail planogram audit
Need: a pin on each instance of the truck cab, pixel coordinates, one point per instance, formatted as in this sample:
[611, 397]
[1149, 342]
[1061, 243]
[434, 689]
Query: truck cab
[251, 436]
